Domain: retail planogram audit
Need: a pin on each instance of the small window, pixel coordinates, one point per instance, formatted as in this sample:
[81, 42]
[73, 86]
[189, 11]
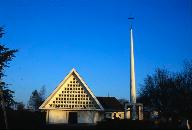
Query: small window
[56, 98]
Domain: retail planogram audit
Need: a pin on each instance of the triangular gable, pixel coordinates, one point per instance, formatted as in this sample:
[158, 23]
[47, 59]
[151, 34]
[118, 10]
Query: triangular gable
[72, 94]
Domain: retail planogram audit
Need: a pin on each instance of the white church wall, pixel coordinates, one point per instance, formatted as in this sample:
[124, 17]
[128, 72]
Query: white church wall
[127, 114]
[57, 116]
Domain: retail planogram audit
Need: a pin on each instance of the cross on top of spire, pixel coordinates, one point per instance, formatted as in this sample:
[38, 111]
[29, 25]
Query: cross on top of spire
[131, 21]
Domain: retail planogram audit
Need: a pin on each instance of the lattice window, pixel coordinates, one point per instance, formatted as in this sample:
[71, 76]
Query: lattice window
[73, 96]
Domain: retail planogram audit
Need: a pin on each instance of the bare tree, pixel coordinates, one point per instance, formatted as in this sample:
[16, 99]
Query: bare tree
[169, 93]
[36, 99]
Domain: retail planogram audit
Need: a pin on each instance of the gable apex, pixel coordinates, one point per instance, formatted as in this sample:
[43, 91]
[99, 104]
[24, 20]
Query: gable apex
[73, 70]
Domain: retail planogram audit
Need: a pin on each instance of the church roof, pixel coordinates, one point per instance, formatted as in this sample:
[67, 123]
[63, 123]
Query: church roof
[72, 94]
[110, 104]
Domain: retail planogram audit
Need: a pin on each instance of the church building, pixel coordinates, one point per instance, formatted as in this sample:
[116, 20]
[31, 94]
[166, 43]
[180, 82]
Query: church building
[73, 102]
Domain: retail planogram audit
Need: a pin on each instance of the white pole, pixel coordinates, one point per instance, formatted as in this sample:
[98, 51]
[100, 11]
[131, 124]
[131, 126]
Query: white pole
[132, 78]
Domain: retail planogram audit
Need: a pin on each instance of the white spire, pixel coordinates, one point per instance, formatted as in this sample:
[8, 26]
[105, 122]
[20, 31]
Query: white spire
[132, 80]
[132, 71]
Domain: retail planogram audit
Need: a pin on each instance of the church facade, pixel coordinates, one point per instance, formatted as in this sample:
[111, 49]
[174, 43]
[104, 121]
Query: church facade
[73, 102]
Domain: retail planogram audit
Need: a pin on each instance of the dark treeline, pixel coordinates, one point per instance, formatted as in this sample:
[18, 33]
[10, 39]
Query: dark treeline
[169, 93]
[6, 55]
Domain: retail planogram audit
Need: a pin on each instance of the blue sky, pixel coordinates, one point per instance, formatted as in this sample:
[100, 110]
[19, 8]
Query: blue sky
[92, 36]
